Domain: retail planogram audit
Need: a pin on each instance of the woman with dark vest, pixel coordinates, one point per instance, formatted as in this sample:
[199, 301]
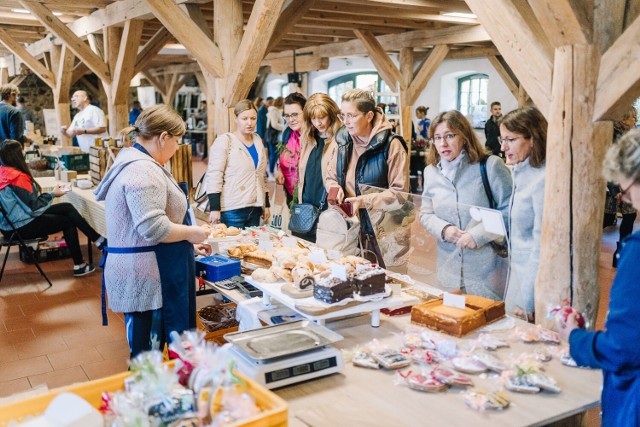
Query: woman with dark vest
[366, 152]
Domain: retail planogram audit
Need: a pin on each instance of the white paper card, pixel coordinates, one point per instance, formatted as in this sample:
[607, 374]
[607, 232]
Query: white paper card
[361, 267]
[333, 254]
[453, 300]
[339, 271]
[491, 219]
[289, 242]
[317, 257]
[265, 245]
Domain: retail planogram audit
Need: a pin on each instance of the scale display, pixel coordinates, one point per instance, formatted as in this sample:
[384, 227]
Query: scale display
[302, 369]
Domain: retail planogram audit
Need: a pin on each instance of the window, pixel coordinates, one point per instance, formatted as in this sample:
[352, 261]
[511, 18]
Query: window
[367, 81]
[472, 98]
[284, 90]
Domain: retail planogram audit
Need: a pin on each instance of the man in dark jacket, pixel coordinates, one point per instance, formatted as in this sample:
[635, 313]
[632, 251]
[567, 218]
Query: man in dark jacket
[261, 124]
[492, 129]
[11, 123]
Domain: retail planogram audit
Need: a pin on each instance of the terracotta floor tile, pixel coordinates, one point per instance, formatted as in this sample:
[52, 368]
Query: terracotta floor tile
[82, 339]
[74, 357]
[8, 353]
[114, 350]
[7, 388]
[16, 336]
[34, 321]
[105, 368]
[40, 347]
[10, 311]
[24, 368]
[59, 378]
[36, 308]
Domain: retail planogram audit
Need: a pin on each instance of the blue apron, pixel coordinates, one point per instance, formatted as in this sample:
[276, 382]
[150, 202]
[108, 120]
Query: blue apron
[176, 264]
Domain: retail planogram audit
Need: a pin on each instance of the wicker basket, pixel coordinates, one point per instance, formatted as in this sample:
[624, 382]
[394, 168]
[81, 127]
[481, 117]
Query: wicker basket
[217, 317]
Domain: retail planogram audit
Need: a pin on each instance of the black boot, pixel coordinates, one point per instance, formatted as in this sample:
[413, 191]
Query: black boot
[616, 255]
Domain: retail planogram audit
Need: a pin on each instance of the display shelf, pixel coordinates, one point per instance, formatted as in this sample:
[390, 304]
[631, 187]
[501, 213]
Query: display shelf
[274, 290]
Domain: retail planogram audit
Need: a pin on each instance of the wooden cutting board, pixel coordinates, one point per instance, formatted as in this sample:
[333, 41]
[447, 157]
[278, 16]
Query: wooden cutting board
[289, 290]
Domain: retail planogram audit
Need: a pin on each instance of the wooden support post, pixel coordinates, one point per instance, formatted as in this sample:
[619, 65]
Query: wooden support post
[34, 65]
[63, 60]
[4, 76]
[574, 188]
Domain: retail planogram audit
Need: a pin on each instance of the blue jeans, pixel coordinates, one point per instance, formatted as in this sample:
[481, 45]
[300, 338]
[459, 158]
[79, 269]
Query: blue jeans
[273, 157]
[241, 218]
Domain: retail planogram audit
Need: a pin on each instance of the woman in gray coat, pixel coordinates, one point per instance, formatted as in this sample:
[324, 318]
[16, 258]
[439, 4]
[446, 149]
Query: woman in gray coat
[524, 142]
[452, 184]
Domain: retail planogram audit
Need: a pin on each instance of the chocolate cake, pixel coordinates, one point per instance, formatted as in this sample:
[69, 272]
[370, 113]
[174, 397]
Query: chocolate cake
[369, 282]
[332, 290]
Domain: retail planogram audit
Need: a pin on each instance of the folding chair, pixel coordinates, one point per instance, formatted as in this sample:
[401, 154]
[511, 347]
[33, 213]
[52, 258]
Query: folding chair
[16, 240]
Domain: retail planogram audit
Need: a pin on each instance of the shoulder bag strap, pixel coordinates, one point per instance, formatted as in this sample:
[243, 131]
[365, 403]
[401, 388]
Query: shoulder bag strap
[485, 183]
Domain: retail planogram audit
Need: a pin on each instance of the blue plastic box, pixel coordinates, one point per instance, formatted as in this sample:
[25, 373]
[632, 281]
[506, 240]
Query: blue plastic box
[217, 267]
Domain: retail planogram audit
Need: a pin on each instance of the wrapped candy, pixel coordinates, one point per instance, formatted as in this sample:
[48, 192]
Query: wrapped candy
[481, 400]
[561, 314]
[420, 381]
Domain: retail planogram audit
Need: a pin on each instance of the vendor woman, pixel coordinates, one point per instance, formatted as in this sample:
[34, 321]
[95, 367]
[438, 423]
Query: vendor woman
[150, 271]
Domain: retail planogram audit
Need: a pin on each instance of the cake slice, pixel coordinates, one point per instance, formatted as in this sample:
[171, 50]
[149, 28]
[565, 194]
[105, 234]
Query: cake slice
[451, 320]
[370, 281]
[332, 290]
[493, 310]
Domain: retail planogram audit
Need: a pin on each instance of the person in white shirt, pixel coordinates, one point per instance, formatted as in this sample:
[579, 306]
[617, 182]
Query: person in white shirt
[88, 124]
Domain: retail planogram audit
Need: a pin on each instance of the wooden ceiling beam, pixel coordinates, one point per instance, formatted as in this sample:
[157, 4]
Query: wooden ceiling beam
[516, 37]
[64, 68]
[472, 52]
[288, 19]
[253, 49]
[196, 14]
[425, 72]
[505, 74]
[303, 64]
[608, 16]
[124, 70]
[77, 46]
[85, 4]
[151, 49]
[180, 69]
[618, 80]
[385, 66]
[564, 21]
[36, 66]
[189, 34]
[160, 87]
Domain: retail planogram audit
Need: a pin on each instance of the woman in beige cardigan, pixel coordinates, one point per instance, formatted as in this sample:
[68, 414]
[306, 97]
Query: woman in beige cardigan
[321, 122]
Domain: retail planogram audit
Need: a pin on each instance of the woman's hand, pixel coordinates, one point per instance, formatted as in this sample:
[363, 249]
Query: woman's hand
[466, 241]
[279, 177]
[452, 234]
[564, 328]
[214, 217]
[202, 249]
[266, 214]
[356, 204]
[199, 233]
[59, 191]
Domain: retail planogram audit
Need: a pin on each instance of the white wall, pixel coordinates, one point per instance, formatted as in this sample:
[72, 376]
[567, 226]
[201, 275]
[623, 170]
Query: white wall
[440, 94]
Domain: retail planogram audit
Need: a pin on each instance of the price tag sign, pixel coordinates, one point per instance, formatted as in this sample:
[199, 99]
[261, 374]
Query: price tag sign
[453, 300]
[317, 257]
[339, 271]
[265, 245]
[289, 242]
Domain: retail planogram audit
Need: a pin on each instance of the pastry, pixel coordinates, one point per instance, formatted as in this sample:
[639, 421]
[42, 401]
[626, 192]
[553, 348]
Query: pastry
[369, 282]
[493, 310]
[490, 361]
[332, 290]
[283, 273]
[480, 399]
[232, 231]
[264, 276]
[390, 359]
[302, 277]
[258, 257]
[542, 381]
[424, 383]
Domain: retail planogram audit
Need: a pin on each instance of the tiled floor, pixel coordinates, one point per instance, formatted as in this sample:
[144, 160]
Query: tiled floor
[54, 337]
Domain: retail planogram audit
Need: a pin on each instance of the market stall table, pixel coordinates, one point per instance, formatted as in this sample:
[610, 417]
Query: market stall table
[360, 396]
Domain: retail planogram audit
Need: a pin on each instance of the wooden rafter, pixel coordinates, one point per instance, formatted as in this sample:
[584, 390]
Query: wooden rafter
[618, 79]
[64, 75]
[383, 63]
[505, 74]
[124, 70]
[303, 64]
[195, 13]
[36, 66]
[425, 72]
[564, 21]
[288, 19]
[77, 46]
[186, 32]
[151, 49]
[517, 37]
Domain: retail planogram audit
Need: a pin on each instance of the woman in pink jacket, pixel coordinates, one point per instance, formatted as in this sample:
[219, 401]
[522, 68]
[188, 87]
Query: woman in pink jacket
[290, 148]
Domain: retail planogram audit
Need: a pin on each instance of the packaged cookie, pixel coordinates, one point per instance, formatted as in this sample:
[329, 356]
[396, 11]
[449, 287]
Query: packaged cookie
[391, 359]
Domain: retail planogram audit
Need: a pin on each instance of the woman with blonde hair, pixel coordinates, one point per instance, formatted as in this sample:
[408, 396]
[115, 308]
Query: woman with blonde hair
[452, 183]
[235, 178]
[150, 269]
[320, 124]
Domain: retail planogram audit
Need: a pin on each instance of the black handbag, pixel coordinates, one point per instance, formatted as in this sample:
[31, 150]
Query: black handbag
[304, 216]
[501, 249]
[271, 135]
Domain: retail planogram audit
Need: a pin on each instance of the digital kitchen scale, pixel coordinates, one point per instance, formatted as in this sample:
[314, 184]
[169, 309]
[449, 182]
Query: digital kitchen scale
[288, 353]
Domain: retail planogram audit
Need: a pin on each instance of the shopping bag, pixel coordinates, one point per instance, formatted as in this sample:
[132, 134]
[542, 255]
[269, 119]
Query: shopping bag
[280, 214]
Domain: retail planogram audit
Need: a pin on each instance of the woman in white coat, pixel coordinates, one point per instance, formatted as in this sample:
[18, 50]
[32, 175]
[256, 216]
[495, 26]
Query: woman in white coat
[235, 180]
[453, 183]
[524, 142]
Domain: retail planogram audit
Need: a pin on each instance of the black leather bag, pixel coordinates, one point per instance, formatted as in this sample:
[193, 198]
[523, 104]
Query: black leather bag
[304, 218]
[271, 135]
[500, 248]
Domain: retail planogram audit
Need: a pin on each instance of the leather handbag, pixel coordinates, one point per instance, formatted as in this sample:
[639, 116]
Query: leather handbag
[499, 247]
[304, 217]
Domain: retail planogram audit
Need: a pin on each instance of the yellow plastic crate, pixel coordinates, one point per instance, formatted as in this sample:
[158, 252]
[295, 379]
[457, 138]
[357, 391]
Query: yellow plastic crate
[274, 409]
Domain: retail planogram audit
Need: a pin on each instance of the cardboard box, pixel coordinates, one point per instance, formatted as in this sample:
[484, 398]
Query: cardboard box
[67, 176]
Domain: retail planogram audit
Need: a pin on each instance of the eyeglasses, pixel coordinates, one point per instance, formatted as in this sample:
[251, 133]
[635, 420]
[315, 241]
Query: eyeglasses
[447, 137]
[508, 141]
[624, 194]
[291, 116]
[348, 116]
